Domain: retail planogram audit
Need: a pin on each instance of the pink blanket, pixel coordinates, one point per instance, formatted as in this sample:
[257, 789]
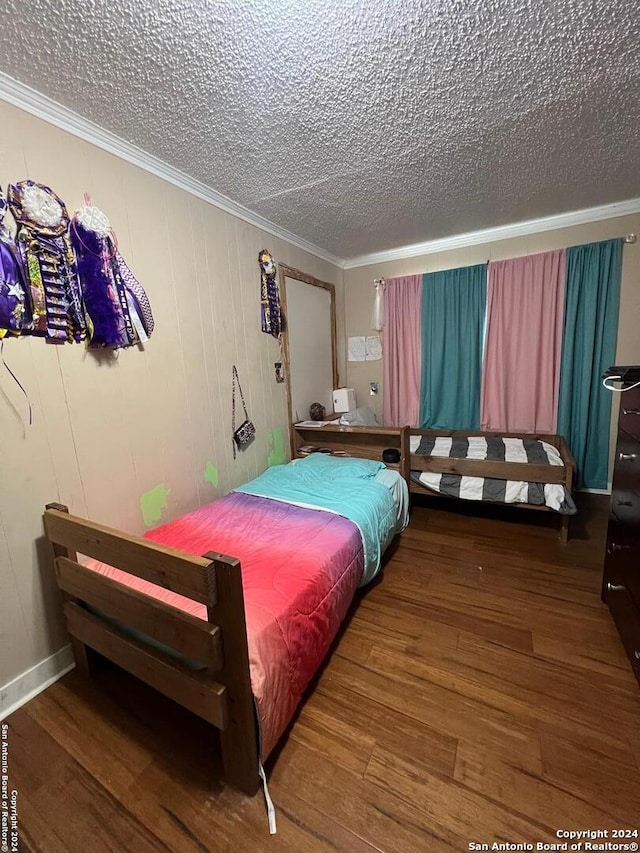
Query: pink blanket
[300, 569]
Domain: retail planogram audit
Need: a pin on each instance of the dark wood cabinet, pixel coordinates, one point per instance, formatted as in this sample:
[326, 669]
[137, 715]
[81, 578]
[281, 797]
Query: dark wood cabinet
[621, 579]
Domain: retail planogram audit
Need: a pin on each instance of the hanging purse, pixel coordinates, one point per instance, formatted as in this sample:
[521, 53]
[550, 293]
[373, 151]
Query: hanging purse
[246, 431]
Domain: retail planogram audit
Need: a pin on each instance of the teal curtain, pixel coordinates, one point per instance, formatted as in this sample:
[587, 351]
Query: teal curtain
[453, 315]
[592, 302]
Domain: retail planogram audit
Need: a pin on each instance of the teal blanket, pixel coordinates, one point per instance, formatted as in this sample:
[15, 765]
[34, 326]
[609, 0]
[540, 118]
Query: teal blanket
[343, 489]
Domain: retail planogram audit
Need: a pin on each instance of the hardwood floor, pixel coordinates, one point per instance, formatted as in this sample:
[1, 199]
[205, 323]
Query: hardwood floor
[478, 692]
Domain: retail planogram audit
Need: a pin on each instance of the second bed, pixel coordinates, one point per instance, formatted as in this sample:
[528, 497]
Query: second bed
[529, 471]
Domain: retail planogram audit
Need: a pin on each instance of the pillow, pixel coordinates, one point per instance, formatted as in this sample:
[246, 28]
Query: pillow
[338, 467]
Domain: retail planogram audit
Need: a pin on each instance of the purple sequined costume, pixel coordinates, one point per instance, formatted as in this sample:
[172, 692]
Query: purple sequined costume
[114, 299]
[47, 259]
[15, 307]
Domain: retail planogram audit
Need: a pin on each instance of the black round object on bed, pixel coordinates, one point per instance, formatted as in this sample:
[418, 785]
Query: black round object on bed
[391, 454]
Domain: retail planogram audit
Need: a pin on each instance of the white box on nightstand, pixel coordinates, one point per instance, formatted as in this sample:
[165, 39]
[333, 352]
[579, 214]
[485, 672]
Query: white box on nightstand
[344, 399]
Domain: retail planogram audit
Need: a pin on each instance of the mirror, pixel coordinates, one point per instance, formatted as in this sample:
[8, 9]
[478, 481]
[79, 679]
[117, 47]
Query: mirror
[308, 342]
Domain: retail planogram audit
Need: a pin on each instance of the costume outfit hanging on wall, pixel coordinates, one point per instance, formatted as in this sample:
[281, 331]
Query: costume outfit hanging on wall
[47, 258]
[114, 299]
[15, 307]
[269, 296]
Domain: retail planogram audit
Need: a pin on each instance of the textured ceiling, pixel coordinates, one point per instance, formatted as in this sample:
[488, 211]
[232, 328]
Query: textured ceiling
[359, 125]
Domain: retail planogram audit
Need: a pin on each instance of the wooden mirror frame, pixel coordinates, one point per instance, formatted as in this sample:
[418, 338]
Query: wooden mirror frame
[290, 272]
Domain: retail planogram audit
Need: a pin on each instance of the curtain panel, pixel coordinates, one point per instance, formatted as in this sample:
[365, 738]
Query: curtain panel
[453, 314]
[401, 353]
[589, 348]
[521, 378]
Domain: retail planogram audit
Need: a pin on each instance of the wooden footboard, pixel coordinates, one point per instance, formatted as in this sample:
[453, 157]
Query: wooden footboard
[525, 471]
[219, 692]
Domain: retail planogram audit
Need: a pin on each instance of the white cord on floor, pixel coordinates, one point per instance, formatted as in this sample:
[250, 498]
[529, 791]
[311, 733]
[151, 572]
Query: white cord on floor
[271, 812]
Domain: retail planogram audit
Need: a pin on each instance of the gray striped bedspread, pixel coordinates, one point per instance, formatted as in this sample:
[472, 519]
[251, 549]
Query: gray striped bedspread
[487, 488]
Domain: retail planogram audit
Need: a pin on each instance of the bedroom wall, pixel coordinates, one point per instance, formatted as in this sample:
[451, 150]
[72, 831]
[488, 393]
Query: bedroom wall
[146, 434]
[359, 291]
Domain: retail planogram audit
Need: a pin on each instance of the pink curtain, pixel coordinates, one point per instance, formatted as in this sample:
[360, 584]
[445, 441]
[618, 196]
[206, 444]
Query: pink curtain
[402, 353]
[521, 377]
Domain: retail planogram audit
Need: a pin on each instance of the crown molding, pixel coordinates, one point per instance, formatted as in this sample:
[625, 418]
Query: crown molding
[31, 101]
[501, 232]
[43, 107]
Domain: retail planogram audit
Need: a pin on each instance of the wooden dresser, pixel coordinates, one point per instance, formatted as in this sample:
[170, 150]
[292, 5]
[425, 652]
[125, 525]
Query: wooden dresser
[621, 579]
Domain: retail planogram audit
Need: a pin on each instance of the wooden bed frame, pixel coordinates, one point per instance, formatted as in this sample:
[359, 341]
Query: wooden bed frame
[220, 693]
[526, 471]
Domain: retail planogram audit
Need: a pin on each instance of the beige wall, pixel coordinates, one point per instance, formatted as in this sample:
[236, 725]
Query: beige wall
[106, 431]
[359, 290]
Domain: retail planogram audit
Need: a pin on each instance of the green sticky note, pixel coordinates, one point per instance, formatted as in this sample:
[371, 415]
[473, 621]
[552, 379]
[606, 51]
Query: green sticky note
[277, 456]
[211, 474]
[153, 502]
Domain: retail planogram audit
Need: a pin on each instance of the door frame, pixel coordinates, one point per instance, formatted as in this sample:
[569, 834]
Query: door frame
[284, 272]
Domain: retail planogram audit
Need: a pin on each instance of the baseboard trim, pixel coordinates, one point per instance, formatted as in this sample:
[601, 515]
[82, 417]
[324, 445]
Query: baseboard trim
[28, 684]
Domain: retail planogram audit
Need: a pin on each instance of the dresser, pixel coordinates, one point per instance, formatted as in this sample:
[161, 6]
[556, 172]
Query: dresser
[621, 578]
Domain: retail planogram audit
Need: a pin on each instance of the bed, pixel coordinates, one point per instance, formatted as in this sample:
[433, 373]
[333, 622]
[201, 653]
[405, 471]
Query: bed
[235, 639]
[526, 471]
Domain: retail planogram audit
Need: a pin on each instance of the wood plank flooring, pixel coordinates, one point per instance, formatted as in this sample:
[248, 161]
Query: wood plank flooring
[478, 692]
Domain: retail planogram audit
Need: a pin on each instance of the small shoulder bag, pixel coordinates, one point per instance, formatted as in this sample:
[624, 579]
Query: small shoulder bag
[246, 431]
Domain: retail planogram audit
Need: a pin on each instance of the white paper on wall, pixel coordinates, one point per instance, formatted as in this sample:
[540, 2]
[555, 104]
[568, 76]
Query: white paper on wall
[373, 348]
[357, 349]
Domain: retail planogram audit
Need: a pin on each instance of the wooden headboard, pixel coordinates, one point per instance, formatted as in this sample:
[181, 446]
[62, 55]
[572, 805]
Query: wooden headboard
[364, 442]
